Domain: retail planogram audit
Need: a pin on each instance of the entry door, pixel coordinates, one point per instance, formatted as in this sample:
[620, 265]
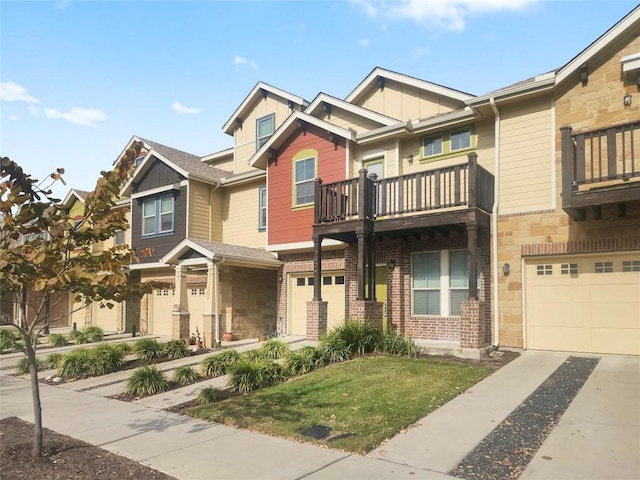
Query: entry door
[375, 166]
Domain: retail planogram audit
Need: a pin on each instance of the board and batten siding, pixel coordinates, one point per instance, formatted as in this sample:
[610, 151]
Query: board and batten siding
[404, 102]
[245, 136]
[240, 216]
[525, 157]
[158, 175]
[286, 223]
[199, 210]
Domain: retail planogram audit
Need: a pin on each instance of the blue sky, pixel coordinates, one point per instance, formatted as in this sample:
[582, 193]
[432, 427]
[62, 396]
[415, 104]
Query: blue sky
[79, 78]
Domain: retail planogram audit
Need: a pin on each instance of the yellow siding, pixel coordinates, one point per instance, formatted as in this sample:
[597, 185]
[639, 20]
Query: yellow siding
[525, 157]
[344, 119]
[404, 102]
[240, 216]
[245, 136]
[217, 207]
[225, 163]
[199, 212]
[362, 153]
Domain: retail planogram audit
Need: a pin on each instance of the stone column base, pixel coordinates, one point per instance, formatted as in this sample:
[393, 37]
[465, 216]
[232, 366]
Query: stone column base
[367, 311]
[472, 324]
[316, 319]
[180, 325]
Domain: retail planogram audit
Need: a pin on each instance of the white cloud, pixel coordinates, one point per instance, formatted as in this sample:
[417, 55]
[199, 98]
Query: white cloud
[239, 61]
[178, 107]
[12, 92]
[34, 110]
[80, 116]
[445, 14]
[364, 42]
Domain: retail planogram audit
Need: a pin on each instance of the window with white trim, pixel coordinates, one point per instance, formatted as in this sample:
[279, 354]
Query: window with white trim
[262, 208]
[440, 282]
[118, 238]
[265, 126]
[157, 215]
[304, 175]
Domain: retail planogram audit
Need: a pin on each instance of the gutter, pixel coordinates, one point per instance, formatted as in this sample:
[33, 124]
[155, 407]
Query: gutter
[494, 225]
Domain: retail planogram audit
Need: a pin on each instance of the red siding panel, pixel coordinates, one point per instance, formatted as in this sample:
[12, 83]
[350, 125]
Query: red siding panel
[287, 225]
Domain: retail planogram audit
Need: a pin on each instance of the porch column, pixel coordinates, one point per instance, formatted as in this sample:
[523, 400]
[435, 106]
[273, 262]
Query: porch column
[472, 242]
[317, 267]
[180, 314]
[372, 268]
[210, 317]
[362, 245]
[472, 200]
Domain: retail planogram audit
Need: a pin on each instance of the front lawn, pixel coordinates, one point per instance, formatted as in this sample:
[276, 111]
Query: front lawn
[361, 402]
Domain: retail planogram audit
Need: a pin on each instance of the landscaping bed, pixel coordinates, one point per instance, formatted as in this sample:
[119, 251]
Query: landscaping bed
[64, 458]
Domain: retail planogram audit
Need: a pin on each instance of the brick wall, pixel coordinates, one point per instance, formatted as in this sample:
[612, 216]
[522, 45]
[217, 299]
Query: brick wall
[317, 315]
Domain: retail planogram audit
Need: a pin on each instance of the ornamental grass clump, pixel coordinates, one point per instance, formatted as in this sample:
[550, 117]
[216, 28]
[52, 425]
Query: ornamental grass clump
[175, 349]
[359, 338]
[219, 364]
[275, 348]
[185, 375]
[94, 333]
[303, 361]
[23, 366]
[210, 395]
[8, 340]
[255, 355]
[148, 380]
[148, 349]
[106, 359]
[75, 364]
[125, 348]
[57, 340]
[394, 344]
[53, 360]
[245, 376]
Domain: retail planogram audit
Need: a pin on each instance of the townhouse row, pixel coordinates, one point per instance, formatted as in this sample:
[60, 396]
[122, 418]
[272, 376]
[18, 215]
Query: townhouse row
[466, 222]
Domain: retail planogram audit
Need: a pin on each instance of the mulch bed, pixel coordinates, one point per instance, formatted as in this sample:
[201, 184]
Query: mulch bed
[63, 458]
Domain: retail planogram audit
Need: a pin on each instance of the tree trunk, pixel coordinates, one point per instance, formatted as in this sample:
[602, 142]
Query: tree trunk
[37, 407]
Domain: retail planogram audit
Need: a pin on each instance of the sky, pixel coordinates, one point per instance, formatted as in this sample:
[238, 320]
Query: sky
[79, 78]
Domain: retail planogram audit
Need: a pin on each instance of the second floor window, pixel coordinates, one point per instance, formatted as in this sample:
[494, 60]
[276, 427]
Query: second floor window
[265, 127]
[304, 175]
[157, 215]
[262, 208]
[460, 139]
[118, 238]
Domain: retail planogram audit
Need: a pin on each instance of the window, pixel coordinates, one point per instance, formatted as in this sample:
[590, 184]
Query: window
[310, 281]
[157, 215]
[262, 208]
[432, 145]
[300, 282]
[604, 267]
[569, 269]
[339, 279]
[327, 280]
[631, 266]
[544, 270]
[440, 282]
[118, 239]
[304, 174]
[460, 139]
[265, 127]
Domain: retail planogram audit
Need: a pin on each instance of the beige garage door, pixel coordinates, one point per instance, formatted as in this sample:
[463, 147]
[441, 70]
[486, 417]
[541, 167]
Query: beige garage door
[107, 318]
[301, 291]
[161, 306]
[197, 300]
[586, 303]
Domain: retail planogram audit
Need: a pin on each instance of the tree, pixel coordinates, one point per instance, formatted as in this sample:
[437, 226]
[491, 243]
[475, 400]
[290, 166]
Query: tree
[43, 251]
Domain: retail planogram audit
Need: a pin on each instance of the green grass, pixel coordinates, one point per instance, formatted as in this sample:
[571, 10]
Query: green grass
[370, 398]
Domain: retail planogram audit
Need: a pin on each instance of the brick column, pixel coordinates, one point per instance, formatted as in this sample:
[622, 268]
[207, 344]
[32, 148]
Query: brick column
[316, 319]
[472, 324]
[367, 311]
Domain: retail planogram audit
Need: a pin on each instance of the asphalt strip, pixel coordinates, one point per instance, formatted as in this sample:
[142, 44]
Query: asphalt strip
[508, 449]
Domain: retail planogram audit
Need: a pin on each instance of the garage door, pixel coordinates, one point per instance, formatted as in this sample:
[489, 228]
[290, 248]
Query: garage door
[196, 298]
[161, 308]
[586, 303]
[301, 291]
[107, 318]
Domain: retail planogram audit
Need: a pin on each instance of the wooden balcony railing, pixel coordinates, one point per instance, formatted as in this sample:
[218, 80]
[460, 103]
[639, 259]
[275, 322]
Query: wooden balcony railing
[365, 197]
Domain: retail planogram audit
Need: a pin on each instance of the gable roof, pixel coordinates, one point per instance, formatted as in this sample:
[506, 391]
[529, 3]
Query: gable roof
[216, 250]
[323, 98]
[186, 164]
[289, 126]
[253, 95]
[75, 195]
[434, 88]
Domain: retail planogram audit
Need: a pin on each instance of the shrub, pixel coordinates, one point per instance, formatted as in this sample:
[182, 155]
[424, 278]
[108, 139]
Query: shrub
[217, 365]
[23, 365]
[73, 334]
[148, 349]
[303, 361]
[255, 355]
[125, 348]
[185, 374]
[394, 344]
[271, 372]
[147, 380]
[8, 340]
[211, 395]
[333, 350]
[175, 349]
[75, 364]
[106, 359]
[81, 338]
[358, 338]
[245, 376]
[53, 360]
[57, 340]
[275, 348]
[94, 333]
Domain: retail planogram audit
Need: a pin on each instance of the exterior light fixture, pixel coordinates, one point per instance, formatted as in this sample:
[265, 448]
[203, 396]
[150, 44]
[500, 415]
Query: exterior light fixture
[392, 264]
[627, 100]
[506, 269]
[410, 158]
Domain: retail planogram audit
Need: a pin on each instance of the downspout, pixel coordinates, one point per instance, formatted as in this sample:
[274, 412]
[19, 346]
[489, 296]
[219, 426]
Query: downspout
[494, 224]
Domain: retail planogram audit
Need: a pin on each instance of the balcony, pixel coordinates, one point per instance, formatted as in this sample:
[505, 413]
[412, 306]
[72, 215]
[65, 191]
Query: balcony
[600, 167]
[435, 200]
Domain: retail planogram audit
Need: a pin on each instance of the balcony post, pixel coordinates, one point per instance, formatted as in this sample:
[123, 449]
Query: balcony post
[360, 280]
[472, 246]
[317, 200]
[567, 165]
[372, 268]
[317, 268]
[362, 193]
[473, 180]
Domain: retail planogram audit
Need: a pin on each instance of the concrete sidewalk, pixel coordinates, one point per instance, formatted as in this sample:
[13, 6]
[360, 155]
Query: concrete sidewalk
[193, 449]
